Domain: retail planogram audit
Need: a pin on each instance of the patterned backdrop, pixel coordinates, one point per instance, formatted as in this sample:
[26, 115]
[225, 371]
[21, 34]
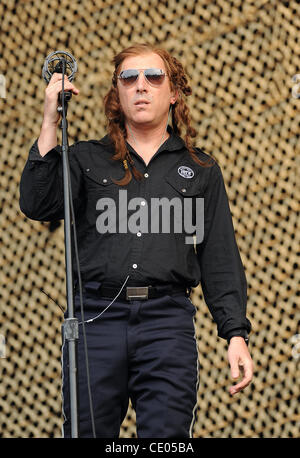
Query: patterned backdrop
[241, 57]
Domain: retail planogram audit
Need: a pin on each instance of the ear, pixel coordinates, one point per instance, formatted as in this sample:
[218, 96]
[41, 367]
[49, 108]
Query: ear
[174, 97]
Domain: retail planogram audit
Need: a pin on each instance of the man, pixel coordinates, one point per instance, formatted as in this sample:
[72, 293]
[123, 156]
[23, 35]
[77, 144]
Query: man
[142, 346]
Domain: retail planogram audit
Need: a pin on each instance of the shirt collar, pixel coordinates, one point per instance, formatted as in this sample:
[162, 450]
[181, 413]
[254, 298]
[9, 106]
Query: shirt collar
[173, 143]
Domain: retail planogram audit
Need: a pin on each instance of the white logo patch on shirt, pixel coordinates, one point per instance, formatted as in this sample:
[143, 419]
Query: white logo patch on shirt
[185, 171]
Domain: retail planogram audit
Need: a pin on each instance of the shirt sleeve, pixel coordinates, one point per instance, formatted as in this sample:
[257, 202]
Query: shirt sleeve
[223, 278]
[41, 185]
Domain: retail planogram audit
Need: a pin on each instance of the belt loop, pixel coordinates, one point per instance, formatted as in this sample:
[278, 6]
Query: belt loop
[166, 289]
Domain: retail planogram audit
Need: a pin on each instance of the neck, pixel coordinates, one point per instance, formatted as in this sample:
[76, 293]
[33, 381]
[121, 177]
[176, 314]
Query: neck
[137, 135]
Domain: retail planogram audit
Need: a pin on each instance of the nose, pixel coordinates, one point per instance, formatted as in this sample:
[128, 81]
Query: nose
[141, 84]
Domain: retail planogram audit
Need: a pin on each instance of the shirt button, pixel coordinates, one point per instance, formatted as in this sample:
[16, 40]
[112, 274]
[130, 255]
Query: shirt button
[104, 180]
[134, 266]
[87, 170]
[138, 234]
[183, 190]
[143, 203]
[146, 175]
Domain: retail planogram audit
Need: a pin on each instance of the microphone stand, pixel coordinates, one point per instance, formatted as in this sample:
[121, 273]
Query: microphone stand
[70, 325]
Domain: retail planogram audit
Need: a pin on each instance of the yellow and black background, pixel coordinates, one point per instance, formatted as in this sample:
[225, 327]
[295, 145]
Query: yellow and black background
[240, 56]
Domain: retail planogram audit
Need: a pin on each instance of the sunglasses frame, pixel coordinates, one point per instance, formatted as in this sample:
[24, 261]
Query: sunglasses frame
[143, 70]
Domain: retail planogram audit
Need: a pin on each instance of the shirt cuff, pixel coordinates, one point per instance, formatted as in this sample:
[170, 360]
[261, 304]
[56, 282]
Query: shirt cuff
[34, 153]
[238, 333]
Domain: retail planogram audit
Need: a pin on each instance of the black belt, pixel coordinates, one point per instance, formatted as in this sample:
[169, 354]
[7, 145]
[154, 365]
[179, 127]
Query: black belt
[142, 292]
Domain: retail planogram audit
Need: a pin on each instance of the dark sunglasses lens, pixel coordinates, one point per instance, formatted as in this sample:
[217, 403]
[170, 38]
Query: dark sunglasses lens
[155, 76]
[128, 77]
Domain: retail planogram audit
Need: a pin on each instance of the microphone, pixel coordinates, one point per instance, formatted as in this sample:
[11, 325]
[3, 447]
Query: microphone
[60, 62]
[54, 64]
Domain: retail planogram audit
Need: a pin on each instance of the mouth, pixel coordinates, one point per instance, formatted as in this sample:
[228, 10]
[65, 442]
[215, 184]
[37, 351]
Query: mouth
[141, 102]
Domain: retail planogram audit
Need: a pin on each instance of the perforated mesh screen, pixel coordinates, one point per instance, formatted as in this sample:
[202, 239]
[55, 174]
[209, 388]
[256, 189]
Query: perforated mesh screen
[240, 56]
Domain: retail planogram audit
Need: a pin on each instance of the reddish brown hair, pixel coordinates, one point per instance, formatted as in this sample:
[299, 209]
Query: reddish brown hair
[180, 111]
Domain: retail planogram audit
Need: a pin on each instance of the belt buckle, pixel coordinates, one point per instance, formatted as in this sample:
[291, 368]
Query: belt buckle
[137, 293]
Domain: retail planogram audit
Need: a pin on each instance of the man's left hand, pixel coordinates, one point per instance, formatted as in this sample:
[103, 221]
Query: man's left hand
[240, 363]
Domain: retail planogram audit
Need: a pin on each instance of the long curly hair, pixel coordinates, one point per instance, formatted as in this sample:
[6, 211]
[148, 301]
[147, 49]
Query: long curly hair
[180, 112]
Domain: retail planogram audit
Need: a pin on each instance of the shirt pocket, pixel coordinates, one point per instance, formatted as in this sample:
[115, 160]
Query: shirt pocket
[184, 187]
[100, 193]
[98, 178]
[99, 183]
[187, 197]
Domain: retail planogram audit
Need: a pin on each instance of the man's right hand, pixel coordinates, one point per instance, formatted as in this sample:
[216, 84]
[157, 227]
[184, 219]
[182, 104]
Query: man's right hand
[51, 115]
[48, 136]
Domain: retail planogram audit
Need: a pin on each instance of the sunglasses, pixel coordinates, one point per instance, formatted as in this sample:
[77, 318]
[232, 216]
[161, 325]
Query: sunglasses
[154, 76]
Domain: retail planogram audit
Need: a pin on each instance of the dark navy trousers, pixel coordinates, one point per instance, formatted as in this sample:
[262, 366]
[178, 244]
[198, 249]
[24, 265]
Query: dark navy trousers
[142, 350]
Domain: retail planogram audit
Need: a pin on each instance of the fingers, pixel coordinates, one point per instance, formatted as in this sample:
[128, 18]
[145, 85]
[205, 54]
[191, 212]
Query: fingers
[240, 364]
[235, 372]
[51, 116]
[247, 372]
[55, 84]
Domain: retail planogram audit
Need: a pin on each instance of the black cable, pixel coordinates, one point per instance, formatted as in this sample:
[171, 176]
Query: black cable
[48, 295]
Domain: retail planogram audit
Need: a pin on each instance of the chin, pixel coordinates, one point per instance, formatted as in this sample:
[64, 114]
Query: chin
[143, 119]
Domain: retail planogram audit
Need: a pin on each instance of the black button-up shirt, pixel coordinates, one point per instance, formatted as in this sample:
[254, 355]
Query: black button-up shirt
[121, 231]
